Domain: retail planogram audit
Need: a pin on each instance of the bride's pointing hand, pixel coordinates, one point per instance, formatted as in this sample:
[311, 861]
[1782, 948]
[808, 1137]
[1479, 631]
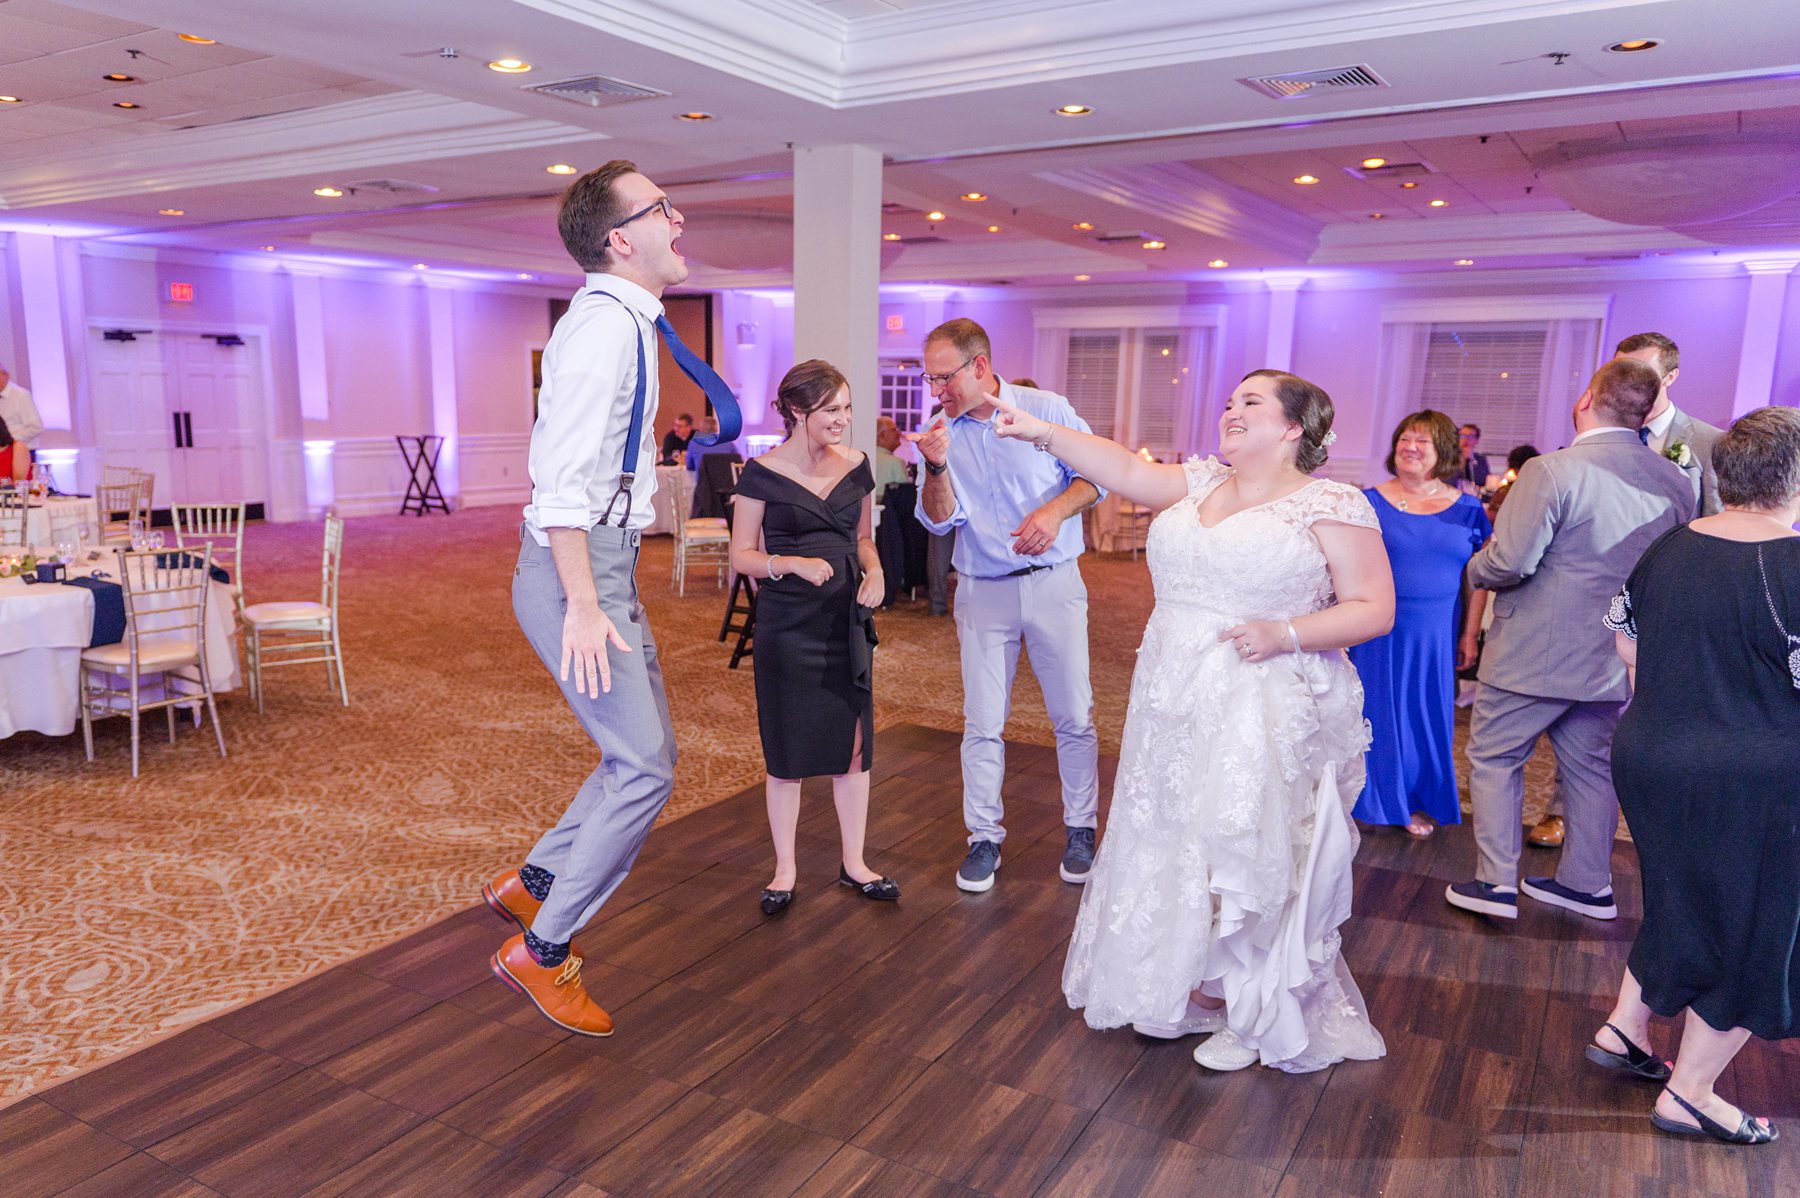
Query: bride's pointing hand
[1017, 423]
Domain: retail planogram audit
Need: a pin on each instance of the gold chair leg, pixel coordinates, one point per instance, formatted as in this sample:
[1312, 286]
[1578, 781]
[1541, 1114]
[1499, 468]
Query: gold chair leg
[87, 715]
[337, 654]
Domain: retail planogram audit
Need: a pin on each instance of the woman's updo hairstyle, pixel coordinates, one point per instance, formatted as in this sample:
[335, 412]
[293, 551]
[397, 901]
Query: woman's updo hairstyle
[805, 389]
[1306, 405]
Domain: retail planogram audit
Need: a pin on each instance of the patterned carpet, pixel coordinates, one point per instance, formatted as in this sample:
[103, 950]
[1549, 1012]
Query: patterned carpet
[134, 908]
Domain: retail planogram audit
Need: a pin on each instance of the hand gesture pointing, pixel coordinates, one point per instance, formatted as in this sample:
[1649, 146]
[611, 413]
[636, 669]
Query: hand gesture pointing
[1019, 424]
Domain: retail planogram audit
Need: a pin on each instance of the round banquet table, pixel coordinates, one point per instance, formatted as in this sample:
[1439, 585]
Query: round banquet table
[45, 626]
[86, 510]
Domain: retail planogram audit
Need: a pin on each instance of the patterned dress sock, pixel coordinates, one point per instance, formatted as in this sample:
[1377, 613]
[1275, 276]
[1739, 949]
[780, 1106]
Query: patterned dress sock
[544, 952]
[537, 881]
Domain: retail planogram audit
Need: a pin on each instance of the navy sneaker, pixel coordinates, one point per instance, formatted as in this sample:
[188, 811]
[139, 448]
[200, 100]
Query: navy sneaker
[977, 872]
[1594, 906]
[1078, 858]
[1483, 898]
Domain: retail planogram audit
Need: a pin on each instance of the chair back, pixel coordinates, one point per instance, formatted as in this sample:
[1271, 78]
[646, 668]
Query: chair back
[333, 564]
[69, 522]
[680, 509]
[165, 596]
[15, 516]
[118, 508]
[219, 525]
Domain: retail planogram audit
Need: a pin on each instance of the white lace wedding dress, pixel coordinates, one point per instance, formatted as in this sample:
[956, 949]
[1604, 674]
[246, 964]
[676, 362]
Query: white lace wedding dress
[1226, 860]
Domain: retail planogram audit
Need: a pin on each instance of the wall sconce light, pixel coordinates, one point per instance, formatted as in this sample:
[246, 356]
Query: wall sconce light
[746, 333]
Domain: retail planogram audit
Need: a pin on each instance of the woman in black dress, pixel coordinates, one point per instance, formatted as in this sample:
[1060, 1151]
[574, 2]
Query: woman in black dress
[801, 525]
[1705, 761]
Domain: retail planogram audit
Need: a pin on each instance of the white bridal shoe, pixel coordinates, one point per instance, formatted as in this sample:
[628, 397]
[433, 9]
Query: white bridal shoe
[1223, 1052]
[1198, 1019]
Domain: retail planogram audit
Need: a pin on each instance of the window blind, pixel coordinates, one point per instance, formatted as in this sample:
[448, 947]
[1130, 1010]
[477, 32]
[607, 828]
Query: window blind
[1091, 377]
[1488, 374]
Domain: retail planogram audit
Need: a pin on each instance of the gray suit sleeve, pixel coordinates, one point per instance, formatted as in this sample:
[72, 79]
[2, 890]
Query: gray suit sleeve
[1705, 437]
[1523, 531]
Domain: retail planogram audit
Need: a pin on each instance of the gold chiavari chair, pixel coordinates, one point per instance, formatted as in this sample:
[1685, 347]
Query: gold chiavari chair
[703, 541]
[301, 632]
[15, 517]
[118, 508]
[165, 645]
[220, 525]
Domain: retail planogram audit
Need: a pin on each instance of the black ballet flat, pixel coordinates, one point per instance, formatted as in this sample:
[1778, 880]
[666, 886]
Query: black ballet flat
[1633, 1060]
[882, 890]
[774, 902]
[1748, 1130]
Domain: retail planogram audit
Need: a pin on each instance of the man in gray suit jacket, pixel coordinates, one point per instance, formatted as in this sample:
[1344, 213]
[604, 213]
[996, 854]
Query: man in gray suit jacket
[1573, 526]
[1669, 430]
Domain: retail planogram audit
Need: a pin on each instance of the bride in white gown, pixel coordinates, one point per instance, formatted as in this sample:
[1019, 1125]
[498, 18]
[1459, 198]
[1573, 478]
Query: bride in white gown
[1215, 900]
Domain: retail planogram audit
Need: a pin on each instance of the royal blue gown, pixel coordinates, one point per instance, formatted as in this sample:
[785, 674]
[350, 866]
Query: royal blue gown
[1409, 675]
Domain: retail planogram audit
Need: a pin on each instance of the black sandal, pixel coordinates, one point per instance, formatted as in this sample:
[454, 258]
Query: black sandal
[1749, 1131]
[774, 902]
[1633, 1060]
[883, 890]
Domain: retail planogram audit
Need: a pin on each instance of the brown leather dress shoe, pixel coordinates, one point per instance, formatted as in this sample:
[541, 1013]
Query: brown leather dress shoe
[555, 990]
[510, 900]
[1548, 834]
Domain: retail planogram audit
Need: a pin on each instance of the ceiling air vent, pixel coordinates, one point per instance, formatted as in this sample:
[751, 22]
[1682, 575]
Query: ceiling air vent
[1300, 83]
[392, 186]
[1135, 235]
[595, 90]
[922, 239]
[1392, 170]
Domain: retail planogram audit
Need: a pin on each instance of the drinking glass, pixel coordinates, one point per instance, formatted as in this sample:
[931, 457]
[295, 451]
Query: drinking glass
[137, 534]
[156, 539]
[65, 551]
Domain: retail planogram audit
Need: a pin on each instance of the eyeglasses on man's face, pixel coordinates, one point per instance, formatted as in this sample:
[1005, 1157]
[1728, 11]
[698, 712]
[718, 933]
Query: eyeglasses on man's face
[935, 381]
[668, 211]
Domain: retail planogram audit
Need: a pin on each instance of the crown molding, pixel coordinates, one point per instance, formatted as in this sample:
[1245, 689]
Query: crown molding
[331, 140]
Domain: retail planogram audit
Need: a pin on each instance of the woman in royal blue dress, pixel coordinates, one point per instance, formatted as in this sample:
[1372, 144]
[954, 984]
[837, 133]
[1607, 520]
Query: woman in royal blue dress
[1431, 529]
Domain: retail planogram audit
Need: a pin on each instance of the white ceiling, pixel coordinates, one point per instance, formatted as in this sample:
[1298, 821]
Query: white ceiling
[958, 94]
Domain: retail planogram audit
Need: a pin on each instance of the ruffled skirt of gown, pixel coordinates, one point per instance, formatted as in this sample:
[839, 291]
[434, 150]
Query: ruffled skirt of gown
[1226, 861]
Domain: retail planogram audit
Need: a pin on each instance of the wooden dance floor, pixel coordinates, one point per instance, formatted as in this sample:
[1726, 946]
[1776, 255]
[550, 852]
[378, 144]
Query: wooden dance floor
[918, 1049]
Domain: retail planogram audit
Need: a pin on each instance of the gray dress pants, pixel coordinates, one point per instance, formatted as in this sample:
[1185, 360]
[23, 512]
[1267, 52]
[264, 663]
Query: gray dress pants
[1503, 729]
[591, 848]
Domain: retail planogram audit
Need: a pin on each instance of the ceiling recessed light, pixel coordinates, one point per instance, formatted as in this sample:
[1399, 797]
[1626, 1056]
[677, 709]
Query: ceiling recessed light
[890, 237]
[1409, 185]
[10, 100]
[1371, 164]
[330, 193]
[522, 275]
[1218, 264]
[934, 216]
[509, 66]
[420, 266]
[116, 77]
[171, 212]
[694, 116]
[1439, 203]
[267, 249]
[560, 168]
[1306, 180]
[1156, 245]
[993, 228]
[1083, 278]
[124, 104]
[1377, 216]
[974, 197]
[1073, 110]
[1464, 262]
[1083, 226]
[196, 39]
[1635, 45]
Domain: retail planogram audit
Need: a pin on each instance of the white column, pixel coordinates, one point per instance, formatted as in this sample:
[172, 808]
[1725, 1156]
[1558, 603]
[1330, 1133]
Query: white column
[837, 271]
[318, 470]
[1762, 334]
[45, 358]
[1284, 297]
[440, 301]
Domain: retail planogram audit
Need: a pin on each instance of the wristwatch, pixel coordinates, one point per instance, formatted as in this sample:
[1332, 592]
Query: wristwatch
[934, 469]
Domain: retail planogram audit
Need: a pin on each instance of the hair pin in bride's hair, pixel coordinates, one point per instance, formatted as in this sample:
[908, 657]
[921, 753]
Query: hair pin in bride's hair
[1328, 439]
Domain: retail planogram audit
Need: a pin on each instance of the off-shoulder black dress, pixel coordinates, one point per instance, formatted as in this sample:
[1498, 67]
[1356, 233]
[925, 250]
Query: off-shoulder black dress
[813, 645]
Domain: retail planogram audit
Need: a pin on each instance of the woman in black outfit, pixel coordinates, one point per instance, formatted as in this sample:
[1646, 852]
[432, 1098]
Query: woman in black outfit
[802, 525]
[1705, 761]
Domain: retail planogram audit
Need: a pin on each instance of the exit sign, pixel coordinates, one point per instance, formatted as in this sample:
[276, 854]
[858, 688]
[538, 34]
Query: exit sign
[181, 293]
[896, 323]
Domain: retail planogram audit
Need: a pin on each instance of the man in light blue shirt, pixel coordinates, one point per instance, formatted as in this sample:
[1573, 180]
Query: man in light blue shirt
[1018, 583]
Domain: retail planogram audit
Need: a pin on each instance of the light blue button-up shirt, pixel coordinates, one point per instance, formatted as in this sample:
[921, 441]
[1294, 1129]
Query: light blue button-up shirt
[998, 482]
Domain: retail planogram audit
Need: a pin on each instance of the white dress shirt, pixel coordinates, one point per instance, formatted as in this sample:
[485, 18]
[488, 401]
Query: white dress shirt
[1659, 428]
[584, 409]
[20, 414]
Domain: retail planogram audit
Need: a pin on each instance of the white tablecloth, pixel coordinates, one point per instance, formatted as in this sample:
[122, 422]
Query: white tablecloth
[87, 511]
[45, 626]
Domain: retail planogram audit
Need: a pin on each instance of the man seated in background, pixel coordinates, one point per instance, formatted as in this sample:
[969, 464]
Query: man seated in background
[889, 469]
[675, 441]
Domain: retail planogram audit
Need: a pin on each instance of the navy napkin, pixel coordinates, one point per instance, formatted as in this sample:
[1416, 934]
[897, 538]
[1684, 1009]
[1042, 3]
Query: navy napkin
[176, 561]
[109, 609]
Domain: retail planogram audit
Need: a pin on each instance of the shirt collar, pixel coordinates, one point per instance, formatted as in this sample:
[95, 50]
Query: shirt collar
[1660, 425]
[627, 292]
[1604, 428]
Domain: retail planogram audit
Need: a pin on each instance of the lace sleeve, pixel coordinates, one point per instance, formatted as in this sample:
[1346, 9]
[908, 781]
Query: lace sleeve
[1203, 473]
[1619, 616]
[1336, 502]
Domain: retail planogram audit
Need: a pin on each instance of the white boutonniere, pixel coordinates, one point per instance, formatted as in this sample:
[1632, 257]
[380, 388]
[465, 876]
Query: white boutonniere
[1680, 454]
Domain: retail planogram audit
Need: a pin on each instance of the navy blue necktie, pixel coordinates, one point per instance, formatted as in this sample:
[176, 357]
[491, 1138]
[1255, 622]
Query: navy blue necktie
[724, 403]
[1644, 434]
